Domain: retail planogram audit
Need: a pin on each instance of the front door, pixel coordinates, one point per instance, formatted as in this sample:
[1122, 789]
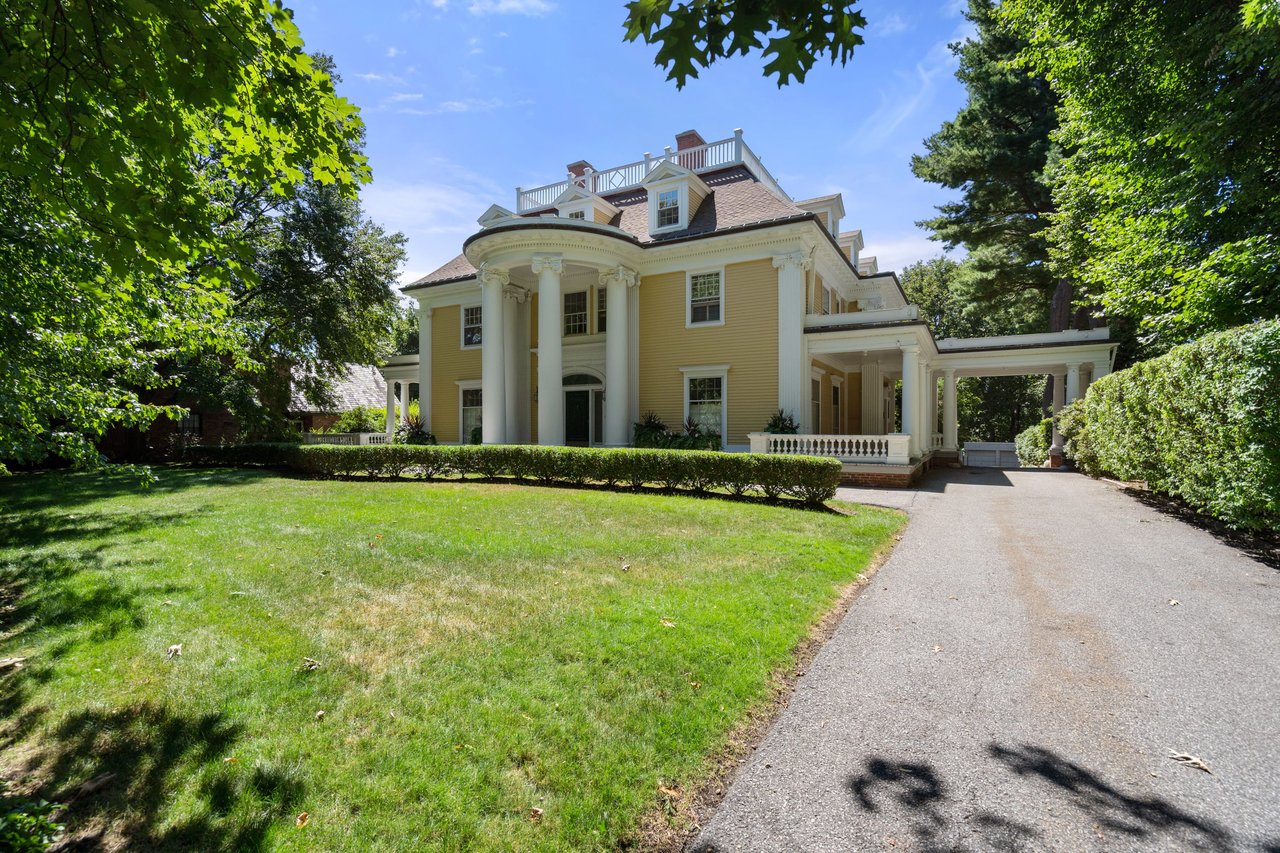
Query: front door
[577, 418]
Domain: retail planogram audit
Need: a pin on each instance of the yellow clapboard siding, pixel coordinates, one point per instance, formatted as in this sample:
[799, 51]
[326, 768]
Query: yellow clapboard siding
[747, 342]
[450, 363]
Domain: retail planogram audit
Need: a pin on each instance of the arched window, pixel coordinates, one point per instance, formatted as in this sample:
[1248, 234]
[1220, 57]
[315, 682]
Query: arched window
[581, 379]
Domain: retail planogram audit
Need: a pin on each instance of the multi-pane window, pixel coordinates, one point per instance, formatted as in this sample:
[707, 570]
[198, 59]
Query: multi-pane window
[706, 402]
[575, 313]
[578, 214]
[668, 208]
[471, 326]
[601, 310]
[472, 414]
[705, 298]
[826, 301]
[816, 397]
[192, 423]
[837, 426]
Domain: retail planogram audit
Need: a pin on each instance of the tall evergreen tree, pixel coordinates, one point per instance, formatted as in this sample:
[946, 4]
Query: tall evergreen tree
[997, 152]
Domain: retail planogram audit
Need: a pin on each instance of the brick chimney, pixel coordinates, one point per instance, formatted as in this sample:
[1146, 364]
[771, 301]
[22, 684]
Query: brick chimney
[579, 168]
[689, 139]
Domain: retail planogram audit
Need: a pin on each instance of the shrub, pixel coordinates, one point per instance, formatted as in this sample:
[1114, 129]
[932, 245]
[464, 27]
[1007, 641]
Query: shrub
[414, 431]
[27, 825]
[807, 478]
[361, 419]
[651, 432]
[1033, 444]
[1200, 423]
[780, 423]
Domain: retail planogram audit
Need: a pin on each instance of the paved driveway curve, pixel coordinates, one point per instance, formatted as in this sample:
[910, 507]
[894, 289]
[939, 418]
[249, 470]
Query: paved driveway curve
[1015, 678]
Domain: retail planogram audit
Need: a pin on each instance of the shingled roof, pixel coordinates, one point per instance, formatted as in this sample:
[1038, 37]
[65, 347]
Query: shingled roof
[361, 385]
[736, 199]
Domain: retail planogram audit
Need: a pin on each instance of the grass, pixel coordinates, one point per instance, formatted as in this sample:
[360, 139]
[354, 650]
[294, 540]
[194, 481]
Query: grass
[484, 651]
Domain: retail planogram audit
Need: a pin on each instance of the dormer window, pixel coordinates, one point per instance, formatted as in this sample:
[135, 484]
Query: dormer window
[668, 208]
[577, 214]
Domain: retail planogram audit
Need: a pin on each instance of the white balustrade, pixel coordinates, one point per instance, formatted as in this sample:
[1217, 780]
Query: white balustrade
[720, 154]
[347, 438]
[885, 449]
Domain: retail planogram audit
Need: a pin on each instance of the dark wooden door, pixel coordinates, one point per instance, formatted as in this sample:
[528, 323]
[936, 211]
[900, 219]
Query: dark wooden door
[577, 418]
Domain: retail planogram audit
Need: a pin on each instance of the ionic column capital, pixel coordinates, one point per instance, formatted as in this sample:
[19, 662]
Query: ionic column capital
[492, 275]
[914, 349]
[627, 277]
[791, 260]
[516, 292]
[541, 263]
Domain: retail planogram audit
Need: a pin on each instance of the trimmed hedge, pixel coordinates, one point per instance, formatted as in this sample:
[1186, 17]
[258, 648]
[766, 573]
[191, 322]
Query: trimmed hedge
[1033, 444]
[811, 479]
[1201, 422]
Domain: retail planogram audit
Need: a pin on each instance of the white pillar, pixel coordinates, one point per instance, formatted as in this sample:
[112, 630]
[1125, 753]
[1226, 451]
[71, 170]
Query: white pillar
[1059, 397]
[1073, 383]
[793, 374]
[424, 364]
[1101, 367]
[911, 378]
[550, 355]
[617, 370]
[404, 401]
[950, 418]
[493, 366]
[511, 360]
[390, 422]
[931, 401]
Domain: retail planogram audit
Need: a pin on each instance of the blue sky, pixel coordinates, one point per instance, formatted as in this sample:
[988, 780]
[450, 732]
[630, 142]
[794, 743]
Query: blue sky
[466, 99]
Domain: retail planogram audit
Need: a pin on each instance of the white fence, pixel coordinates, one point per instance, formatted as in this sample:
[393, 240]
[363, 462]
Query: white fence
[352, 438]
[885, 449]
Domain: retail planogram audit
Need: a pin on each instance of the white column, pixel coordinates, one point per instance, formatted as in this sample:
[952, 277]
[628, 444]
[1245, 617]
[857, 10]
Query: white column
[493, 367]
[910, 378]
[390, 422]
[793, 374]
[1073, 383]
[617, 370]
[550, 355]
[931, 395]
[404, 402]
[950, 419]
[424, 363]
[1101, 367]
[511, 360]
[1059, 396]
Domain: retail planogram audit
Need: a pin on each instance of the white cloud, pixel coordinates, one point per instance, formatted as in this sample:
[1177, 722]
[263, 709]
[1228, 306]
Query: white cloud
[463, 105]
[374, 77]
[510, 7]
[393, 52]
[436, 215]
[901, 250]
[402, 97]
[889, 25]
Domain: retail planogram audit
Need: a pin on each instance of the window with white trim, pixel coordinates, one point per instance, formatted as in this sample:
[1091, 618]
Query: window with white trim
[668, 208]
[706, 298]
[472, 413]
[826, 300]
[706, 402]
[577, 214]
[602, 312]
[472, 326]
[575, 313]
[816, 398]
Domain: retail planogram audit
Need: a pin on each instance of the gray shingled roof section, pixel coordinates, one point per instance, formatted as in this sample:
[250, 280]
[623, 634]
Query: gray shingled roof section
[362, 385]
[736, 199]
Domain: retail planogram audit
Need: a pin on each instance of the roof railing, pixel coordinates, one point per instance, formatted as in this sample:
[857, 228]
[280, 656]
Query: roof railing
[710, 157]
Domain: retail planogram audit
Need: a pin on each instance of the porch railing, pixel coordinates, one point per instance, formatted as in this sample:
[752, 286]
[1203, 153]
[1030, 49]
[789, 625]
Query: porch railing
[884, 449]
[349, 438]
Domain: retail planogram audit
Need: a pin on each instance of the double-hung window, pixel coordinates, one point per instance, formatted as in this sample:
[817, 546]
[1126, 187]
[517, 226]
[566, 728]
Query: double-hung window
[601, 310]
[668, 208]
[575, 313]
[826, 300]
[706, 403]
[471, 326]
[192, 423]
[816, 400]
[706, 298]
[472, 413]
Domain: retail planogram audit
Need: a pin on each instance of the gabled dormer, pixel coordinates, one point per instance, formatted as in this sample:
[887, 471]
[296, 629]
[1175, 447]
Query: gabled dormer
[579, 203]
[868, 265]
[851, 244]
[830, 210]
[674, 196]
[495, 214]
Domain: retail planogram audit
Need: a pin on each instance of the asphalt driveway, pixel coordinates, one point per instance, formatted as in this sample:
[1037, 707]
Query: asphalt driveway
[1016, 677]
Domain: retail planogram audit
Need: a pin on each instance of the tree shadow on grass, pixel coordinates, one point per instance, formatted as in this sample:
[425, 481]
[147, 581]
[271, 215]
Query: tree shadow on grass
[926, 802]
[66, 490]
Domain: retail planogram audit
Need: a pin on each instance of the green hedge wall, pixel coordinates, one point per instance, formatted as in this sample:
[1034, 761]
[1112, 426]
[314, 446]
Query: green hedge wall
[1201, 422]
[810, 479]
[1033, 443]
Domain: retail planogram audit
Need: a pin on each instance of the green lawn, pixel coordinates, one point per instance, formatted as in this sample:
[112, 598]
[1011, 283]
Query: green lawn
[484, 650]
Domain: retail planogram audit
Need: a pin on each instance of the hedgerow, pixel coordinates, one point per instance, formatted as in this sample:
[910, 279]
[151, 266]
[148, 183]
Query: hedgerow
[1033, 443]
[1201, 422]
[810, 479]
